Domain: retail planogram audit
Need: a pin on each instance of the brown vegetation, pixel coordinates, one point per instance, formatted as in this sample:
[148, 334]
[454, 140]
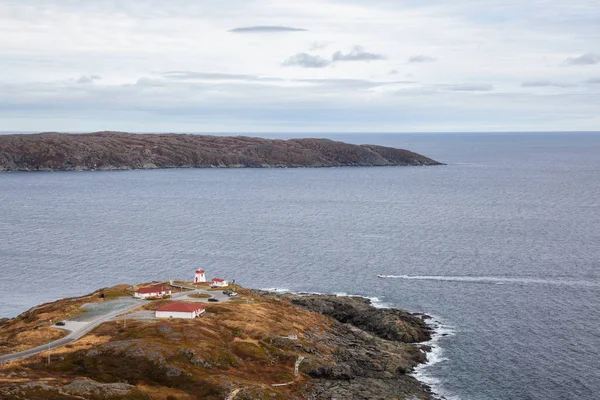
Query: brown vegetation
[33, 327]
[117, 150]
[242, 345]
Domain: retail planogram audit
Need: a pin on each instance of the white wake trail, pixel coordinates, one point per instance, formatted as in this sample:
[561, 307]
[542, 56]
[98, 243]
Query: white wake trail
[494, 280]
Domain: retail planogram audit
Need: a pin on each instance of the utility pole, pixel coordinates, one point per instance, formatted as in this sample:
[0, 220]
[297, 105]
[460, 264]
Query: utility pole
[48, 346]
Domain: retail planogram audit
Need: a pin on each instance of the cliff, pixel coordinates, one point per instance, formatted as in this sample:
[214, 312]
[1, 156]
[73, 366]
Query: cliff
[241, 349]
[118, 150]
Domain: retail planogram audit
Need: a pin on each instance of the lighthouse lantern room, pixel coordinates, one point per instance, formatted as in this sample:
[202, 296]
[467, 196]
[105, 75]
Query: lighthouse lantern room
[200, 276]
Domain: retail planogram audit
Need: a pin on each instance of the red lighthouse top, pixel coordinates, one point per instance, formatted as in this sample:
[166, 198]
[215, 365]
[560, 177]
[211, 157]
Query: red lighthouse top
[199, 271]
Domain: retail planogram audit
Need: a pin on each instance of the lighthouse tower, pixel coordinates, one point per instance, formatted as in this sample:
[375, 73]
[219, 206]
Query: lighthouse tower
[200, 276]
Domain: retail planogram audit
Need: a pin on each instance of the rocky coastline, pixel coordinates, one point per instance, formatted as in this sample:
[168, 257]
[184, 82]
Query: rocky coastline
[377, 349]
[349, 350]
[124, 151]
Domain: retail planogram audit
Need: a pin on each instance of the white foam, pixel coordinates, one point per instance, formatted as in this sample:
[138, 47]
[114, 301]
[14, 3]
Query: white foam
[435, 356]
[378, 303]
[277, 290]
[497, 280]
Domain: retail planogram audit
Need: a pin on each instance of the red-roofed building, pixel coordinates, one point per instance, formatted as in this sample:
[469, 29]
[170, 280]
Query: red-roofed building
[200, 276]
[181, 310]
[217, 282]
[153, 292]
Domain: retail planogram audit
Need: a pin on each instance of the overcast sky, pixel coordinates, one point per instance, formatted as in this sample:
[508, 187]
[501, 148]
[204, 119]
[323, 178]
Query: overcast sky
[304, 66]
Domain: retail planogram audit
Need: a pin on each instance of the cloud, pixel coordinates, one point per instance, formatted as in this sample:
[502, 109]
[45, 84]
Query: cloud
[546, 83]
[84, 79]
[593, 81]
[584, 59]
[356, 54]
[470, 87]
[191, 75]
[239, 76]
[266, 29]
[421, 59]
[306, 60]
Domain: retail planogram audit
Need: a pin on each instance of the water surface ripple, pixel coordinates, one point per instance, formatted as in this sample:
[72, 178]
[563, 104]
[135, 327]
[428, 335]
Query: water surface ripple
[501, 244]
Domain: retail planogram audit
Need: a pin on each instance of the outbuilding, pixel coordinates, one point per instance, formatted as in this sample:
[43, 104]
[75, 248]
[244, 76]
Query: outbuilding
[153, 292]
[217, 282]
[181, 310]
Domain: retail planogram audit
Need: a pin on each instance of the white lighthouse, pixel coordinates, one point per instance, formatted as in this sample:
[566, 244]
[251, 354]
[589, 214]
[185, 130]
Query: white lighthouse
[200, 276]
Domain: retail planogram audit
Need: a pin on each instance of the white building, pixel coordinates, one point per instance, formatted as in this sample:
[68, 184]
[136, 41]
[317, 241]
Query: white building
[200, 276]
[153, 292]
[181, 310]
[216, 282]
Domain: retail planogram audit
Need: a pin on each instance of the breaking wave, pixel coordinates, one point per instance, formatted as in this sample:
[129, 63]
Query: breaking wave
[435, 356]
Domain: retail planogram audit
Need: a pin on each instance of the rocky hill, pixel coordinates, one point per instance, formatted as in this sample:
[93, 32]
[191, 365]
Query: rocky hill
[243, 349]
[118, 150]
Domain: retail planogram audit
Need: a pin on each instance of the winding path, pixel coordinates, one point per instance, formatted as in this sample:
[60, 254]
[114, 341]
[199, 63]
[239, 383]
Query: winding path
[80, 329]
[76, 334]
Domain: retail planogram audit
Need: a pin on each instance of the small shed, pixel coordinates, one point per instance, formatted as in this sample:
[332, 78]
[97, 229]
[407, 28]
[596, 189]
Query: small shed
[217, 282]
[181, 310]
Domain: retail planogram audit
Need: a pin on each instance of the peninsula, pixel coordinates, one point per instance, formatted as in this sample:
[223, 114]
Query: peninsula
[251, 345]
[122, 151]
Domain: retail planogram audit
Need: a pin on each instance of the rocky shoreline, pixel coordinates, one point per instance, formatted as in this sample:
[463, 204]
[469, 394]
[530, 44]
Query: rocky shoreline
[346, 348]
[378, 348]
[124, 151]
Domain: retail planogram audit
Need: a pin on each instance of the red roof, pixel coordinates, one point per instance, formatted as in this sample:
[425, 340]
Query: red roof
[153, 289]
[182, 307]
[218, 280]
[199, 271]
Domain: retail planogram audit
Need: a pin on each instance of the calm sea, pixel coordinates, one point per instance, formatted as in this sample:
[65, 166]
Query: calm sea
[502, 245]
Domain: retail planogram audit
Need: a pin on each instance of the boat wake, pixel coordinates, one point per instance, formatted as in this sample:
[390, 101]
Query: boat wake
[493, 280]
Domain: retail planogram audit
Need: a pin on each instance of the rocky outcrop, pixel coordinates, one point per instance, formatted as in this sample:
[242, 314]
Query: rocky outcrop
[365, 366]
[373, 350]
[77, 389]
[118, 150]
[386, 323]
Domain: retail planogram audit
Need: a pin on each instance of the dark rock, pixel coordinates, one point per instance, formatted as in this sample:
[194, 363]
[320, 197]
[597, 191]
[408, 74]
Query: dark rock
[386, 323]
[189, 353]
[171, 371]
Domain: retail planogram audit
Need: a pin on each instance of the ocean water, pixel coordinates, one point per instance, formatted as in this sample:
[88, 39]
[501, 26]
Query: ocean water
[502, 246]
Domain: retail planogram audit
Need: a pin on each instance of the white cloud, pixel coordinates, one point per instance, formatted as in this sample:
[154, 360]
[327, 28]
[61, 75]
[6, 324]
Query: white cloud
[306, 60]
[83, 79]
[421, 59]
[265, 29]
[177, 64]
[546, 83]
[584, 59]
[356, 54]
[469, 87]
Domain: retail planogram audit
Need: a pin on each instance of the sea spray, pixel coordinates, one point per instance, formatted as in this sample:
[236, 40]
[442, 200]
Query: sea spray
[435, 356]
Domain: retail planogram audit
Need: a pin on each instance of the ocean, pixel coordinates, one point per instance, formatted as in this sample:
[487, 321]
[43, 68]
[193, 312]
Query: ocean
[501, 246]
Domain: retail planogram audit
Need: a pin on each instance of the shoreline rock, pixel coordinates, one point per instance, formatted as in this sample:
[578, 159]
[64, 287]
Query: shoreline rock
[376, 349]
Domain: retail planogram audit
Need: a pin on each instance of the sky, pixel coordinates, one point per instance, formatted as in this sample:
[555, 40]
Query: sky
[305, 66]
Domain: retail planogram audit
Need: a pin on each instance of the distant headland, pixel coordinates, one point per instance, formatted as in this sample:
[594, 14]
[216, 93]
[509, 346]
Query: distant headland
[53, 151]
